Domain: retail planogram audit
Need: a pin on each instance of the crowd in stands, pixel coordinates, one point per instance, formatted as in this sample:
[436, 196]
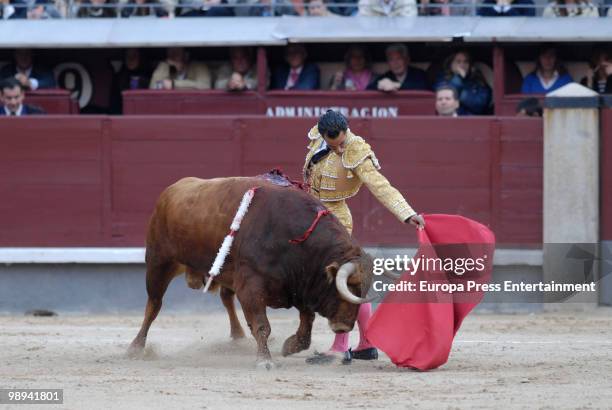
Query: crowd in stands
[460, 87]
[45, 9]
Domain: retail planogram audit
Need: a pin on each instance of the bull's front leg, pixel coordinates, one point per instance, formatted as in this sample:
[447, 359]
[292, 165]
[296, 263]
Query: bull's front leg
[252, 298]
[301, 339]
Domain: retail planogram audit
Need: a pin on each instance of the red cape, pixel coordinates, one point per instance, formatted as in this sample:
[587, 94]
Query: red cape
[417, 329]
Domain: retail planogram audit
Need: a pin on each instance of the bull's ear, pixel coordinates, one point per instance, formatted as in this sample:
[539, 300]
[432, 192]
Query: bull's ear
[332, 270]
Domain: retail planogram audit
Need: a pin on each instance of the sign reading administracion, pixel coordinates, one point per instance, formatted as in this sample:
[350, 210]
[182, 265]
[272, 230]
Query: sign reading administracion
[310, 111]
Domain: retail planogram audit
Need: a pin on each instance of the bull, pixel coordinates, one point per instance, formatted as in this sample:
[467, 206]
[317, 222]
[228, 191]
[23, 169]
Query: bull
[328, 273]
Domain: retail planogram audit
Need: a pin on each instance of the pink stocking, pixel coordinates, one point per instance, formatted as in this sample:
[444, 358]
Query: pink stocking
[340, 343]
[365, 312]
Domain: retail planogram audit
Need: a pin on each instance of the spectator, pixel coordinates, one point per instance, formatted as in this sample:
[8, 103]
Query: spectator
[395, 8]
[507, 8]
[297, 74]
[318, 8]
[570, 8]
[177, 72]
[447, 8]
[529, 107]
[357, 75]
[13, 9]
[204, 8]
[447, 103]
[240, 74]
[13, 95]
[400, 75]
[548, 75]
[143, 8]
[267, 8]
[132, 75]
[344, 7]
[97, 9]
[599, 76]
[31, 77]
[42, 10]
[605, 9]
[471, 87]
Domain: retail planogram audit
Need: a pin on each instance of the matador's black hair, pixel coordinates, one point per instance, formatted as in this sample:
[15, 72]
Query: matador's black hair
[331, 124]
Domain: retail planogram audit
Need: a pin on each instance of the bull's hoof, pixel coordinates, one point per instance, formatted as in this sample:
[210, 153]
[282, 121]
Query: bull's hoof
[265, 365]
[136, 350]
[294, 345]
[237, 334]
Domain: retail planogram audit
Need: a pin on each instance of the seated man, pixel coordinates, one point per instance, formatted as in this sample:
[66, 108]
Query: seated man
[400, 75]
[393, 8]
[297, 74]
[447, 101]
[177, 72]
[240, 74]
[12, 100]
[97, 9]
[203, 8]
[507, 8]
[13, 9]
[31, 77]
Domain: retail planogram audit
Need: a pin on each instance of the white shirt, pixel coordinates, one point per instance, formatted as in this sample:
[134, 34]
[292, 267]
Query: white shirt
[8, 11]
[292, 83]
[549, 83]
[33, 81]
[17, 113]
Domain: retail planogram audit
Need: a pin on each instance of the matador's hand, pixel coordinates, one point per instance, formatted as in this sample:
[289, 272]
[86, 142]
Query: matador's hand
[416, 220]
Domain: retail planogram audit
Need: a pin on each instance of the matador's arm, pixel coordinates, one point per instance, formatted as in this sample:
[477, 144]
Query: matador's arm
[380, 187]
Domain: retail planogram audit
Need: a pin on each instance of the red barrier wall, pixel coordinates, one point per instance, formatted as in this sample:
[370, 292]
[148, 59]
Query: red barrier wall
[94, 180]
[278, 103]
[606, 174]
[54, 101]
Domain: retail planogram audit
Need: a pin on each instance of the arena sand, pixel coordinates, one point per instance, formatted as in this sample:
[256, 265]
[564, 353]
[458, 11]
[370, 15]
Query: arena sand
[548, 361]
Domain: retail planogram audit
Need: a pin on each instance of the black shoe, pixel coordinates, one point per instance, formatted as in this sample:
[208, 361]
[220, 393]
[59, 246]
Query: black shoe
[366, 354]
[326, 358]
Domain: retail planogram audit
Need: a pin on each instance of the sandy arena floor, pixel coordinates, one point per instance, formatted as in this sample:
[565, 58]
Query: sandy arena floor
[548, 361]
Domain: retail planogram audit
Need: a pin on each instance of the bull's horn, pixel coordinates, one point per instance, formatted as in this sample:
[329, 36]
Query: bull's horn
[342, 277]
[391, 275]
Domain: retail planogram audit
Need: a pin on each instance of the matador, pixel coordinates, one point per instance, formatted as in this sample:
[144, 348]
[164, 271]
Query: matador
[337, 164]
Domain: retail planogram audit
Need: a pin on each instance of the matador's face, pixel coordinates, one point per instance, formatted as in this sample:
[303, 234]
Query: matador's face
[336, 144]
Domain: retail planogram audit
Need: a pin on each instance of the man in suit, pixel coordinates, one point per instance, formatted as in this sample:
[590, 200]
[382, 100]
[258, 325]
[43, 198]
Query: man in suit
[297, 74]
[13, 9]
[12, 100]
[31, 77]
[400, 75]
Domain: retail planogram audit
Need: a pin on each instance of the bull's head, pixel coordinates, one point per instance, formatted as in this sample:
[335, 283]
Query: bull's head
[352, 279]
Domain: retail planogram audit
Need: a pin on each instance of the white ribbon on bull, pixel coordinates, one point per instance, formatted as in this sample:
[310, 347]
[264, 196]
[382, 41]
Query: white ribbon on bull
[229, 239]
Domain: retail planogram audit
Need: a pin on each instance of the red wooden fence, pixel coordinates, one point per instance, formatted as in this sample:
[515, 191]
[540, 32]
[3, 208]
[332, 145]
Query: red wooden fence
[606, 174]
[93, 181]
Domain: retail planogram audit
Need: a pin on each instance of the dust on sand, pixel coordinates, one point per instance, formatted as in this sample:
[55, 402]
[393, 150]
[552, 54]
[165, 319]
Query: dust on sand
[548, 360]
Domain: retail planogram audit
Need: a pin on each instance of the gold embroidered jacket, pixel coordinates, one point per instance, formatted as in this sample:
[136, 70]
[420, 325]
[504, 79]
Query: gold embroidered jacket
[336, 178]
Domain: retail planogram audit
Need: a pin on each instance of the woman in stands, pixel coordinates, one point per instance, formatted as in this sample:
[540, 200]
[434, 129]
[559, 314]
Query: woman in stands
[599, 76]
[570, 8]
[357, 74]
[472, 89]
[548, 75]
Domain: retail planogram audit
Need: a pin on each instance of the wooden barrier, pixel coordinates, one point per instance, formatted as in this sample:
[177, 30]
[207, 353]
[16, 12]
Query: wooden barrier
[86, 181]
[53, 101]
[373, 104]
[606, 171]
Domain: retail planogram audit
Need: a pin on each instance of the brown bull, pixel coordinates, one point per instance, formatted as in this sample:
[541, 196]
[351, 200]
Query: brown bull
[320, 275]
